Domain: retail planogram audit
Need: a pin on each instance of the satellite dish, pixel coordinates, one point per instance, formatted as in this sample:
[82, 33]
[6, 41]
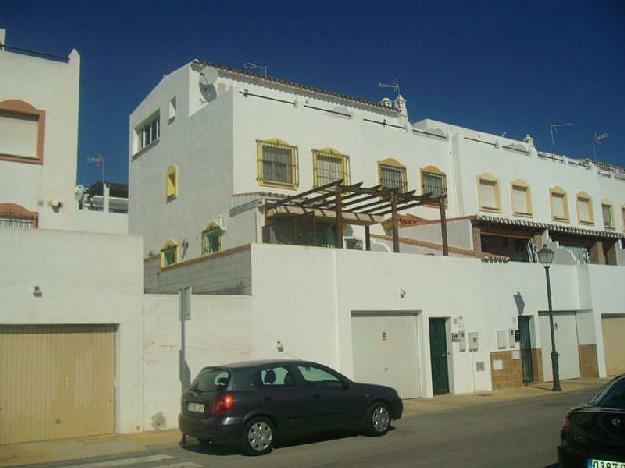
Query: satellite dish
[208, 76]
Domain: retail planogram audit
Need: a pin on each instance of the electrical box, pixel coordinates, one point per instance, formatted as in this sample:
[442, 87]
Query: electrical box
[474, 341]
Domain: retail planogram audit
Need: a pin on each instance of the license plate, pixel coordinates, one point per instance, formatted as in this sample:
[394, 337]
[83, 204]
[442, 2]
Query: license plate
[195, 407]
[594, 463]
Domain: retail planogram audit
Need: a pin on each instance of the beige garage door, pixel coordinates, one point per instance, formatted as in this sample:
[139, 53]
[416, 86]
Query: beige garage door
[56, 381]
[614, 343]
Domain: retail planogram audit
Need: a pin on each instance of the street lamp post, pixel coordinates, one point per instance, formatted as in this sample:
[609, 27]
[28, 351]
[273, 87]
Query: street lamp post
[545, 255]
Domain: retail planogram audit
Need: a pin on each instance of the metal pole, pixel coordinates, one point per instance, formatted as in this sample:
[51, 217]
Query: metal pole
[441, 205]
[367, 238]
[394, 221]
[339, 216]
[554, 354]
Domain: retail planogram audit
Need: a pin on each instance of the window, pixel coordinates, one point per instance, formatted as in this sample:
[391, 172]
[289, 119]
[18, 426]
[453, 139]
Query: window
[211, 239]
[172, 182]
[148, 132]
[169, 254]
[488, 193]
[329, 166]
[433, 181]
[277, 164]
[172, 110]
[211, 380]
[21, 132]
[521, 198]
[559, 204]
[608, 216]
[317, 376]
[584, 209]
[278, 376]
[392, 175]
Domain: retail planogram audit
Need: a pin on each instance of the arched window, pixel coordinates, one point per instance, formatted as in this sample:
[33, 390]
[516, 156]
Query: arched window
[392, 175]
[277, 163]
[169, 253]
[608, 214]
[583, 204]
[520, 198]
[211, 239]
[488, 192]
[22, 129]
[559, 204]
[172, 182]
[330, 165]
[433, 181]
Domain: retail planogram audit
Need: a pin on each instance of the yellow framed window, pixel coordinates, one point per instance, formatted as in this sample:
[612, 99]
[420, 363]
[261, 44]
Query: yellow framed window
[489, 195]
[392, 175]
[169, 254]
[558, 201]
[608, 214]
[211, 239]
[329, 165]
[585, 213]
[277, 164]
[172, 182]
[433, 181]
[520, 198]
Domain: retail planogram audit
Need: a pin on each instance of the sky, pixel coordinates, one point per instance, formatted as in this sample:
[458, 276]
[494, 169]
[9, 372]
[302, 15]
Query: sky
[494, 66]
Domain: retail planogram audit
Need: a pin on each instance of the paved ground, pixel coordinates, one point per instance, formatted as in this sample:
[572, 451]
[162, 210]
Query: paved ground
[512, 428]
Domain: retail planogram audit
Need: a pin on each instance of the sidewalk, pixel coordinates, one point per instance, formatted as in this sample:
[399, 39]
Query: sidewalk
[94, 446]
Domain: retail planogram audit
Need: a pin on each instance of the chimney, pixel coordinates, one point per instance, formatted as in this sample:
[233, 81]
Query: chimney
[386, 102]
[400, 105]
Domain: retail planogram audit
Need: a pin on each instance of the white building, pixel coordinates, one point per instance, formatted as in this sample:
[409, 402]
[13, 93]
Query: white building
[38, 138]
[210, 144]
[212, 147]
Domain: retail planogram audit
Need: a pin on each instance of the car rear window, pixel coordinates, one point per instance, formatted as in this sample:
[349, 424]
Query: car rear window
[611, 396]
[211, 379]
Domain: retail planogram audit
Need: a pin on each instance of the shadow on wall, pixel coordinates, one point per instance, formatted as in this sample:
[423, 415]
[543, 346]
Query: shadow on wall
[520, 303]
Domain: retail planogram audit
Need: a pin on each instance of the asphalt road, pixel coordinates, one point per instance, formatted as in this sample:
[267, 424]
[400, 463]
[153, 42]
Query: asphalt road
[521, 433]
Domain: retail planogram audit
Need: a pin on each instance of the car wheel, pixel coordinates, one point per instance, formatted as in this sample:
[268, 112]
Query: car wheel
[378, 419]
[258, 436]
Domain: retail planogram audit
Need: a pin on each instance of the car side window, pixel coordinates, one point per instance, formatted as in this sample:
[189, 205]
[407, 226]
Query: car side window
[318, 376]
[278, 376]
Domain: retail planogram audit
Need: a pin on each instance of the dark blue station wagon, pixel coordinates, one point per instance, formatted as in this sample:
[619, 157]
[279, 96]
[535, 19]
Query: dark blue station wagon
[254, 404]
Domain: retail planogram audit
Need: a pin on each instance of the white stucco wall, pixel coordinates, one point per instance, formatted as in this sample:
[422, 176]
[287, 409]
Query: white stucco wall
[83, 278]
[51, 86]
[98, 221]
[219, 332]
[200, 144]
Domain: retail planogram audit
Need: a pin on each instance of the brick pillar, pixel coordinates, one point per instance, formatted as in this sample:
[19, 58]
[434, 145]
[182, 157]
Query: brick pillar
[596, 253]
[477, 239]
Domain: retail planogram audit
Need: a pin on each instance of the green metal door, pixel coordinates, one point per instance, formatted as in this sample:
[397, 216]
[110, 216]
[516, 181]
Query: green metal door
[438, 353]
[526, 349]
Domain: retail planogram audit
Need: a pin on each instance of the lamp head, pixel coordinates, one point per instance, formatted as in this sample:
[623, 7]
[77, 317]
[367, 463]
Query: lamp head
[545, 255]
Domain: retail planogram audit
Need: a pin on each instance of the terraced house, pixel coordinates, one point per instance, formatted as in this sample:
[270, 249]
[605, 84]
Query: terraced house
[399, 252]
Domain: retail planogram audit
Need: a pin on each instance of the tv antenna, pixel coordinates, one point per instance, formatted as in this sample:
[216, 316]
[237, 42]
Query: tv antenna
[394, 85]
[99, 161]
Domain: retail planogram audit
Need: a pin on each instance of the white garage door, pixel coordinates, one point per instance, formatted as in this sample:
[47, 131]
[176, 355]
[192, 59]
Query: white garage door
[614, 343]
[566, 345]
[56, 381]
[385, 351]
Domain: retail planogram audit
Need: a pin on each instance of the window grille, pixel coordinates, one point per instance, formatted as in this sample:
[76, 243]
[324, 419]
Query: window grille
[149, 132]
[17, 222]
[211, 240]
[277, 164]
[393, 178]
[329, 168]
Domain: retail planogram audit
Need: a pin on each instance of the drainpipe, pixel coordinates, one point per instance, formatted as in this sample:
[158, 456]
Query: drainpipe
[106, 191]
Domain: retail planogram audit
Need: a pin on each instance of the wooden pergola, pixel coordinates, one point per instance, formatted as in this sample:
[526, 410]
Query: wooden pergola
[355, 204]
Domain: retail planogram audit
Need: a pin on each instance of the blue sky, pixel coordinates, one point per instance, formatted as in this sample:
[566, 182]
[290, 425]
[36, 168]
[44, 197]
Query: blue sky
[496, 66]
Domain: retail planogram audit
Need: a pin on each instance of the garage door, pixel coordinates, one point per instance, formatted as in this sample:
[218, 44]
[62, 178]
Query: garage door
[614, 343]
[566, 345]
[56, 382]
[385, 351]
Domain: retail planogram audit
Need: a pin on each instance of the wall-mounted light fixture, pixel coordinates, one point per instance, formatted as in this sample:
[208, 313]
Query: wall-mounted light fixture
[37, 291]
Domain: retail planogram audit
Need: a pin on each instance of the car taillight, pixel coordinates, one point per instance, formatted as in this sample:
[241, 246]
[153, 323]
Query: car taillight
[223, 403]
[567, 422]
